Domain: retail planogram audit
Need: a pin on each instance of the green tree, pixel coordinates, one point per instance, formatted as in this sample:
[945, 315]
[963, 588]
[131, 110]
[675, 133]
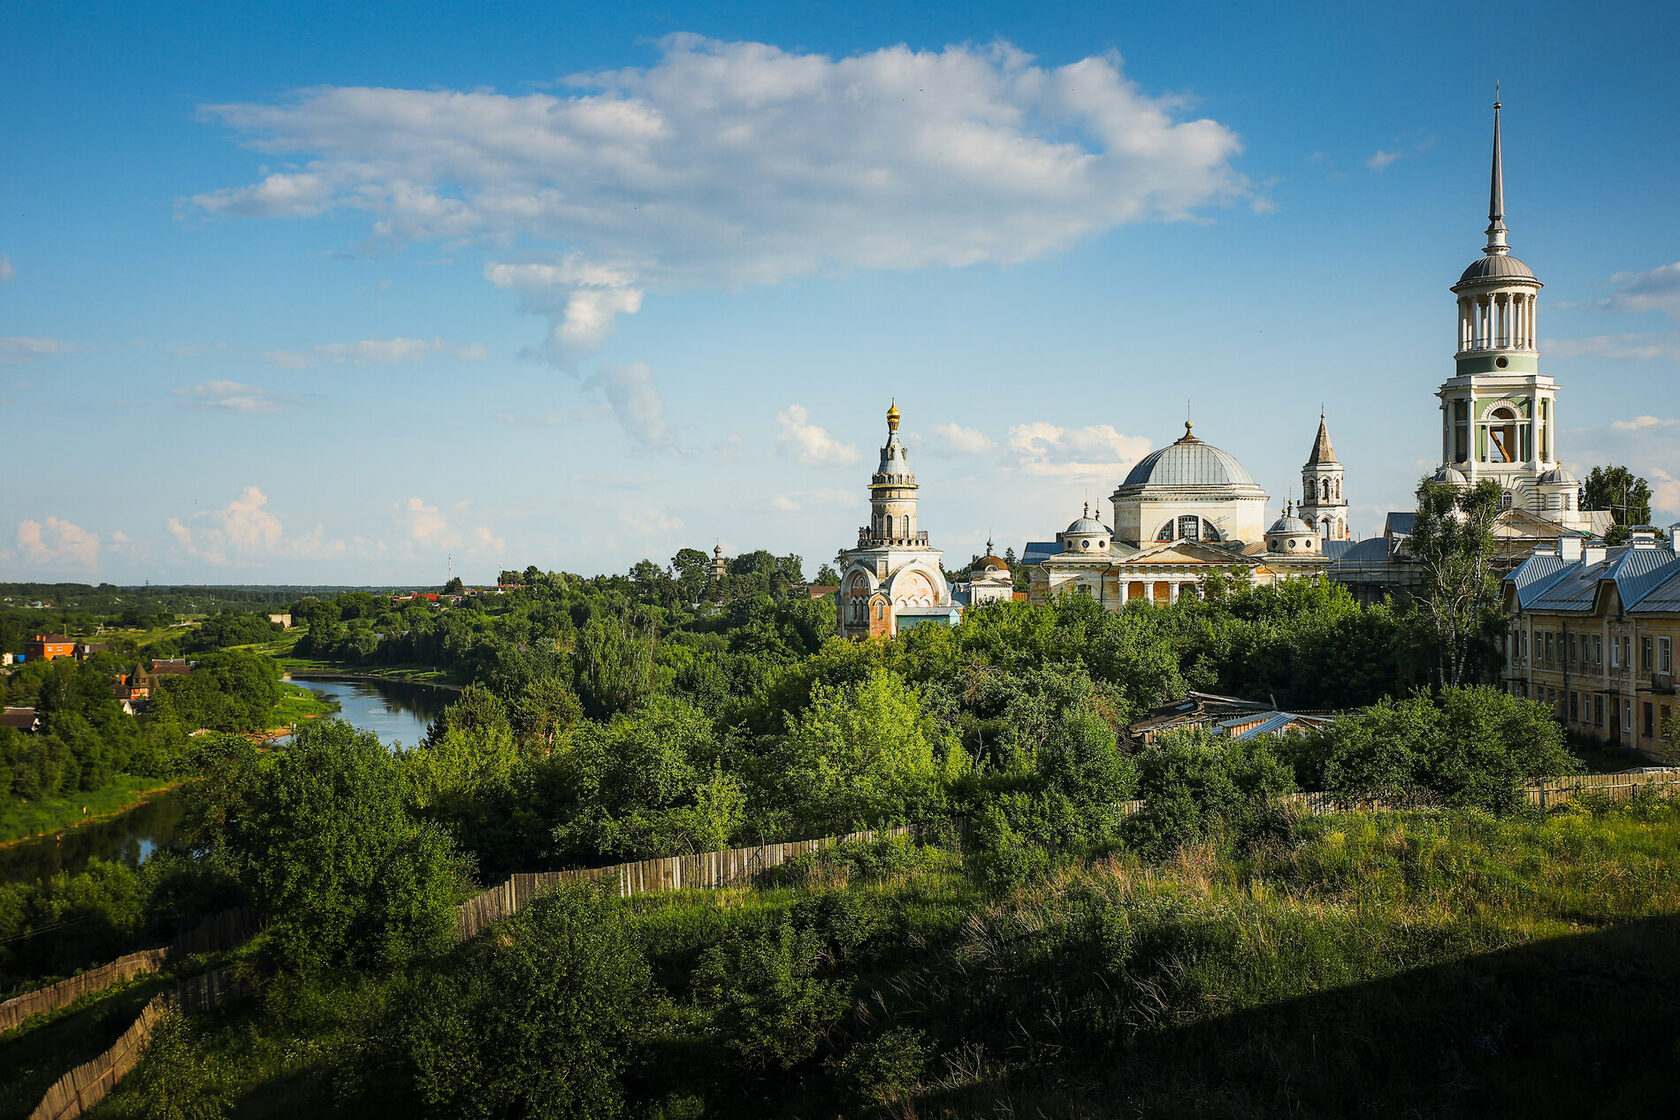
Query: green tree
[864, 753]
[1624, 494]
[319, 836]
[614, 667]
[769, 1003]
[1452, 542]
[540, 1021]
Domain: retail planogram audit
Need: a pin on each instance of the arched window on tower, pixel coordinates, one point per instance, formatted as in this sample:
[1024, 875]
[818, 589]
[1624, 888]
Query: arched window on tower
[1502, 435]
[1325, 488]
[1505, 500]
[889, 526]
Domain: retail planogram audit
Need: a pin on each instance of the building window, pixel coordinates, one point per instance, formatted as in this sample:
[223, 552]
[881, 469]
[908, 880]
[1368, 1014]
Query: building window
[1615, 654]
[1649, 721]
[1627, 651]
[1644, 655]
[1598, 711]
[1598, 649]
[1502, 435]
[1572, 649]
[1548, 646]
[1665, 655]
[1574, 707]
[1627, 717]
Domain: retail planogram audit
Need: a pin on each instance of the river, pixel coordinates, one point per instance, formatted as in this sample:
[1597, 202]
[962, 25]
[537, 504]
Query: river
[396, 711]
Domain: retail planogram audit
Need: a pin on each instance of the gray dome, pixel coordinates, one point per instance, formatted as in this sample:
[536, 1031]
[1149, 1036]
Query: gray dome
[1189, 462]
[1559, 476]
[1087, 525]
[1496, 266]
[1290, 526]
[1452, 475]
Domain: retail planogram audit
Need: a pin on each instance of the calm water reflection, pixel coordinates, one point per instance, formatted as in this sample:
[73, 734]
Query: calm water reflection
[397, 712]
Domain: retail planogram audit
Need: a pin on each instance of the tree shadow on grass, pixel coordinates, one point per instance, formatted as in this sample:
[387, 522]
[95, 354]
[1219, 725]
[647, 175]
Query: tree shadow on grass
[1573, 1026]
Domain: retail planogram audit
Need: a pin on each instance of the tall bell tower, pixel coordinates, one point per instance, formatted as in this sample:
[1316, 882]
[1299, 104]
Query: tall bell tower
[1498, 411]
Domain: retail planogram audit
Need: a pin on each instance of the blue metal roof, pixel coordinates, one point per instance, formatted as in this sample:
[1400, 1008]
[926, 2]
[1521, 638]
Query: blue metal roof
[1335, 549]
[1546, 582]
[1039, 550]
[1665, 596]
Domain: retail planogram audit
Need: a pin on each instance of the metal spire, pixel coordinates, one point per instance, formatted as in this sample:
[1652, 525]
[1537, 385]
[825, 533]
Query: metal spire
[1496, 189]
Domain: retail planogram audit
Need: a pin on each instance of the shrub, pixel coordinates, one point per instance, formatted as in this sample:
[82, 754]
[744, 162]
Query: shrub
[768, 1003]
[881, 1071]
[541, 1019]
[1188, 780]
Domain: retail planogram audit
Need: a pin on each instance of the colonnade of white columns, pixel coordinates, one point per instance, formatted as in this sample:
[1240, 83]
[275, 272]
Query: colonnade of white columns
[1499, 320]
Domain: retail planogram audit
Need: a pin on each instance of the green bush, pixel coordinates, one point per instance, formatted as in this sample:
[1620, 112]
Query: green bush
[1189, 779]
[541, 1019]
[768, 1003]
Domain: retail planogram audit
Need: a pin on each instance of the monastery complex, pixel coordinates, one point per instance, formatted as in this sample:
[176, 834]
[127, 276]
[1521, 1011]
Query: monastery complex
[1191, 509]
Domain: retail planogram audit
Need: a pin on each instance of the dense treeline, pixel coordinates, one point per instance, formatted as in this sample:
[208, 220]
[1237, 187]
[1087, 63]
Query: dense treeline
[86, 738]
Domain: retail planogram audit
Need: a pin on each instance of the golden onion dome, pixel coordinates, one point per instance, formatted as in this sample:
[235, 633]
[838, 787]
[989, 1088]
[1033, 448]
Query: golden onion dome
[892, 416]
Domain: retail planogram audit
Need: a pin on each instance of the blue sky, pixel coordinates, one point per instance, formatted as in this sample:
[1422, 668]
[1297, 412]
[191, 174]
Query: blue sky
[331, 293]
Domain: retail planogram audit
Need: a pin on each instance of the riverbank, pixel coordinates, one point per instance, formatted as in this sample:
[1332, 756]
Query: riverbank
[49, 816]
[305, 669]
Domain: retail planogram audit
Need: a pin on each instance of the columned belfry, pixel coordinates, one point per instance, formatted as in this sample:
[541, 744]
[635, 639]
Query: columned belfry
[1499, 412]
[893, 577]
[1322, 504]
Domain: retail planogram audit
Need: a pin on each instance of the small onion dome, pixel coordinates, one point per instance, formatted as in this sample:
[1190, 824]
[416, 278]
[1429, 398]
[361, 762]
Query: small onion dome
[989, 564]
[892, 416]
[1450, 475]
[1560, 477]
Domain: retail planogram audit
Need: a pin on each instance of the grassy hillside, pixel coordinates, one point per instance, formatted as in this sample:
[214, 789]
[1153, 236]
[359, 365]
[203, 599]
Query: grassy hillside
[1393, 964]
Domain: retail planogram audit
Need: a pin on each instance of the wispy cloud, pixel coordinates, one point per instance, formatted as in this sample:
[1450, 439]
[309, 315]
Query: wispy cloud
[1382, 158]
[429, 529]
[635, 401]
[16, 350]
[1620, 347]
[1640, 423]
[7, 272]
[1656, 289]
[954, 439]
[372, 352]
[233, 396]
[1097, 452]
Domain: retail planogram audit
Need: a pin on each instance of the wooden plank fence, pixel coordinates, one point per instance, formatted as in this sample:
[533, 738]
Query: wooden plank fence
[78, 1091]
[227, 930]
[700, 870]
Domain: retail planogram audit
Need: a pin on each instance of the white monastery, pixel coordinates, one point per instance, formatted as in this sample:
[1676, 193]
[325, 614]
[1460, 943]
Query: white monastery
[1191, 509]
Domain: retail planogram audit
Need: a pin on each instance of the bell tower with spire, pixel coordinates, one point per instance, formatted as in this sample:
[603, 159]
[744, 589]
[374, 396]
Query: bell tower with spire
[893, 577]
[1498, 411]
[1322, 504]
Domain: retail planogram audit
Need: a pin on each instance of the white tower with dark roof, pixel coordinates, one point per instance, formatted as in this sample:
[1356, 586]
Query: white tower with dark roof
[1322, 504]
[1498, 411]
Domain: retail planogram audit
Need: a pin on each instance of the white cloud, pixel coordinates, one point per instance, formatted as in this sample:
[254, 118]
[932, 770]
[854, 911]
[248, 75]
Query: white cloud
[7, 272]
[1656, 289]
[1665, 492]
[1097, 452]
[1619, 347]
[1381, 158]
[58, 544]
[232, 396]
[954, 439]
[635, 401]
[244, 533]
[28, 349]
[430, 530]
[805, 442]
[1639, 423]
[728, 164]
[372, 351]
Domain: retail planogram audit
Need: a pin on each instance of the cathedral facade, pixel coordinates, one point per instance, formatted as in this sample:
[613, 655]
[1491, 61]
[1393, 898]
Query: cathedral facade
[1183, 513]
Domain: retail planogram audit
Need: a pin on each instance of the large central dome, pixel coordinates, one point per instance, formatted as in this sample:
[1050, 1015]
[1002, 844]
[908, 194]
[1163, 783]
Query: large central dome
[1189, 462]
